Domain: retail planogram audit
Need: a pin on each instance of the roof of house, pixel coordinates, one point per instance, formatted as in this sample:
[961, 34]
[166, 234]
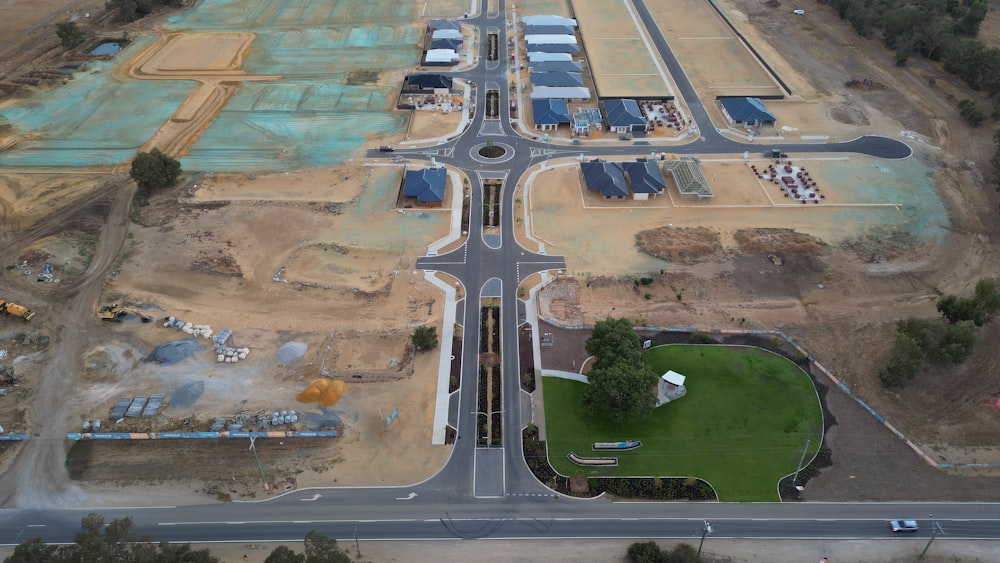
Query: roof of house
[689, 177]
[441, 56]
[673, 378]
[553, 48]
[446, 43]
[446, 34]
[556, 66]
[621, 113]
[444, 24]
[748, 110]
[563, 92]
[429, 81]
[550, 40]
[550, 112]
[644, 177]
[604, 176]
[557, 79]
[426, 184]
[548, 20]
[550, 29]
[541, 56]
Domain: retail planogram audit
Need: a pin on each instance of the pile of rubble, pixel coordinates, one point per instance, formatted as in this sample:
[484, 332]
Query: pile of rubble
[200, 331]
[224, 353]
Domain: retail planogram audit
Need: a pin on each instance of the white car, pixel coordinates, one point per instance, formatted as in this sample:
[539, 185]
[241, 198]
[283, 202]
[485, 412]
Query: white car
[799, 12]
[904, 525]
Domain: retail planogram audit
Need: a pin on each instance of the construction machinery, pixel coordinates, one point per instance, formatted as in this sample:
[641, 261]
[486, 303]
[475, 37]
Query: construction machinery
[117, 313]
[8, 308]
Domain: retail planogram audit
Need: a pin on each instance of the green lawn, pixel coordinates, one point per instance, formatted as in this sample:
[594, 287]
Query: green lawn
[742, 425]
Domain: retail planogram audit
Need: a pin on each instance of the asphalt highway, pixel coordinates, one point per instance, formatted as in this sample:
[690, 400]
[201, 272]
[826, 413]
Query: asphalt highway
[492, 494]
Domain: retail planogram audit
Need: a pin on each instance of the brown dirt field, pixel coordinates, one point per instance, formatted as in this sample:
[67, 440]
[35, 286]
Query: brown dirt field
[714, 59]
[620, 62]
[680, 244]
[432, 124]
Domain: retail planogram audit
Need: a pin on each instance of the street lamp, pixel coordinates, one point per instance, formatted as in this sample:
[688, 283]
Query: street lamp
[936, 528]
[706, 529]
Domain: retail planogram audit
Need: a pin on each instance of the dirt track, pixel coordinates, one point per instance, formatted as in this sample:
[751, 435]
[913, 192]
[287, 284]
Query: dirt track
[37, 477]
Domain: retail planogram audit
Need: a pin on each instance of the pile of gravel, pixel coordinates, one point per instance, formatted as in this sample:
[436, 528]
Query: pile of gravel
[188, 394]
[290, 351]
[170, 353]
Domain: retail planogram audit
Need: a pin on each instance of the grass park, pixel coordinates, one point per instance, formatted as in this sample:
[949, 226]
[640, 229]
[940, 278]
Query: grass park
[741, 427]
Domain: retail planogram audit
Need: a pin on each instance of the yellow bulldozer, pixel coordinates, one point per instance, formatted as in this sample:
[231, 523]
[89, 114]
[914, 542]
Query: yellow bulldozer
[117, 313]
[13, 309]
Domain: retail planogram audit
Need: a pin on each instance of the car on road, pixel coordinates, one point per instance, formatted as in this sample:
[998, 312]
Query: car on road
[799, 12]
[386, 148]
[624, 137]
[904, 525]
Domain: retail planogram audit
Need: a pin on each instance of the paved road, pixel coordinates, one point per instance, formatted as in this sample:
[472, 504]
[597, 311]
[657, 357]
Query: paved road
[511, 502]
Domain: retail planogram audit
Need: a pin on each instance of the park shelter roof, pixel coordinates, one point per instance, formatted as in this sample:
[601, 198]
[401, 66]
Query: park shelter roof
[673, 378]
[747, 110]
[548, 20]
[604, 176]
[562, 92]
[644, 177]
[622, 113]
[426, 184]
[446, 34]
[441, 56]
[550, 112]
[556, 66]
[557, 79]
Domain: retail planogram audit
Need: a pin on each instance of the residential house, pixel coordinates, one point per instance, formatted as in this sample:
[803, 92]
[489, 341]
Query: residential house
[425, 185]
[549, 114]
[746, 111]
[558, 79]
[560, 92]
[644, 179]
[555, 66]
[606, 177]
[624, 116]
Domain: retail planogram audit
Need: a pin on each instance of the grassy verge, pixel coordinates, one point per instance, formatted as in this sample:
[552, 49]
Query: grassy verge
[742, 425]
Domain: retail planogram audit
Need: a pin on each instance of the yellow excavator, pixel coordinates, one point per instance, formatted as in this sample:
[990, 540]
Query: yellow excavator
[8, 308]
[117, 313]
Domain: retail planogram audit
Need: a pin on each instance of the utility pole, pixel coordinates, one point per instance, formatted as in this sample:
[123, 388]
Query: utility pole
[705, 530]
[934, 533]
[801, 459]
[356, 544]
[260, 468]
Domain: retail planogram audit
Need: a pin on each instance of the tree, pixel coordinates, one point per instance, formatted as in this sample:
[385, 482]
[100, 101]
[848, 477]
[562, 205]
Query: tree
[621, 386]
[154, 170]
[645, 552]
[979, 309]
[620, 392]
[69, 34]
[958, 343]
[424, 338]
[906, 361]
[323, 549]
[282, 554]
[32, 551]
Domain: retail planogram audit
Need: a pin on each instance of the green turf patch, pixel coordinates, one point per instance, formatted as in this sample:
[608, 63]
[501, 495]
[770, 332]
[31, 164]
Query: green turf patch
[742, 425]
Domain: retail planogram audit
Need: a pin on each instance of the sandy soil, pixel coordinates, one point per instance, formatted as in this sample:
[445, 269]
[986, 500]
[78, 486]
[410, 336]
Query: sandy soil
[715, 60]
[620, 61]
[433, 124]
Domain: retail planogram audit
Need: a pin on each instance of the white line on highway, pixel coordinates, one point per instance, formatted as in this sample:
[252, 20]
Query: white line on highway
[35, 526]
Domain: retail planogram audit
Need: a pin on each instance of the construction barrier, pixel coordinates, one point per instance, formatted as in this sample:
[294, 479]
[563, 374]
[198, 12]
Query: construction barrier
[76, 436]
[13, 437]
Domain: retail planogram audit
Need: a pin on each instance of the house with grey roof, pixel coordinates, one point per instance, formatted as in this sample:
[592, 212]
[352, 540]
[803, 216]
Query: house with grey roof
[555, 66]
[427, 82]
[569, 48]
[548, 20]
[563, 79]
[448, 43]
[748, 111]
[446, 34]
[549, 30]
[644, 179]
[541, 56]
[425, 185]
[560, 92]
[624, 116]
[606, 177]
[549, 114]
[444, 24]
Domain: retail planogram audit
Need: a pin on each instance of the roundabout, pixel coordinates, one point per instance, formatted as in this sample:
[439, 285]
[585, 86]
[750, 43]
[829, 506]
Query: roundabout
[491, 152]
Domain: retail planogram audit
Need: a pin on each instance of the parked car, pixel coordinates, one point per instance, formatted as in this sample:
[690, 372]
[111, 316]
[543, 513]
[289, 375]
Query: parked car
[577, 142]
[386, 148]
[625, 137]
[904, 525]
[799, 12]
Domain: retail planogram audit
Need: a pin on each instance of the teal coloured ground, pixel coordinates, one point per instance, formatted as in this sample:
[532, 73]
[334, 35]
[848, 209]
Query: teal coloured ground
[310, 116]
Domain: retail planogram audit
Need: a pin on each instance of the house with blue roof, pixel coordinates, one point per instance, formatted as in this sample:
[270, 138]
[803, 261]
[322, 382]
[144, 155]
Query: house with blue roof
[446, 43]
[555, 66]
[644, 178]
[624, 116]
[549, 114]
[746, 111]
[425, 185]
[559, 79]
[606, 177]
